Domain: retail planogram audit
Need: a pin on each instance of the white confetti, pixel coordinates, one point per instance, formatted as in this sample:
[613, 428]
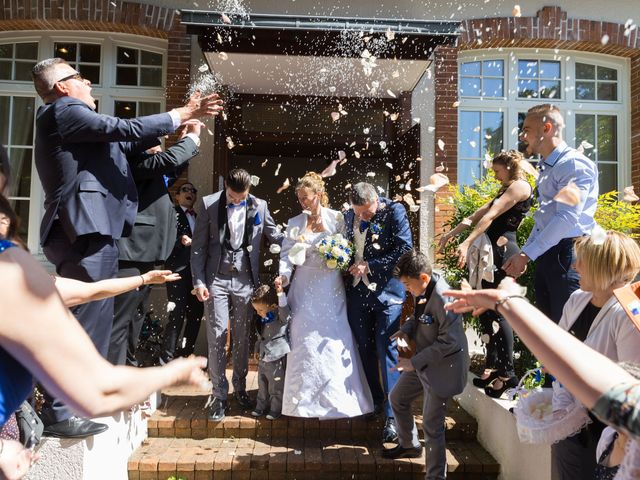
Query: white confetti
[485, 338]
[268, 263]
[223, 56]
[629, 195]
[284, 186]
[605, 39]
[441, 144]
[516, 12]
[391, 94]
[277, 170]
[255, 180]
[171, 306]
[372, 286]
[371, 174]
[335, 116]
[274, 248]
[569, 195]
[203, 68]
[249, 248]
[383, 144]
[225, 18]
[598, 235]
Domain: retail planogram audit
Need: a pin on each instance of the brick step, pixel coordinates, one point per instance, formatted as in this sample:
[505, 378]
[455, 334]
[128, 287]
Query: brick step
[185, 416]
[295, 458]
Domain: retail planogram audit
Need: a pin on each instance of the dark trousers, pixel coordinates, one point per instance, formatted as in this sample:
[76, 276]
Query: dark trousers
[129, 310]
[555, 279]
[372, 323]
[90, 258]
[187, 312]
[500, 346]
[574, 458]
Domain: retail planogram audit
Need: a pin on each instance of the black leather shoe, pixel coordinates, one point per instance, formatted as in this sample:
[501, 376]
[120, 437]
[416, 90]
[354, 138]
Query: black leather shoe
[497, 392]
[389, 432]
[401, 452]
[74, 427]
[483, 382]
[243, 400]
[216, 410]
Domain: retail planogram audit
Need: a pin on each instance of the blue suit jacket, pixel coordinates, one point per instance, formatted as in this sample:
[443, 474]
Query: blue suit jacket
[87, 182]
[394, 239]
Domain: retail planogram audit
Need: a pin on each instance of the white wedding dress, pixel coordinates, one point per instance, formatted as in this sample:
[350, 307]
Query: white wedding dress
[324, 376]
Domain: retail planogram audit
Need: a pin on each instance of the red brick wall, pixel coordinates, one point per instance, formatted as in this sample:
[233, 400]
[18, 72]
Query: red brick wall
[446, 124]
[550, 28]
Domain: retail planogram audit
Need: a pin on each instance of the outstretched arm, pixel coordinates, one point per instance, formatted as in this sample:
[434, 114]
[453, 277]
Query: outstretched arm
[584, 372]
[40, 333]
[76, 292]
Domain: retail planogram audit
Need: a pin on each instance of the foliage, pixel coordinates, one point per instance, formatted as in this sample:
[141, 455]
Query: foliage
[615, 214]
[611, 214]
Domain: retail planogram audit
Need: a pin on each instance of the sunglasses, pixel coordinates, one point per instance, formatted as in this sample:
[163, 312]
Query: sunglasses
[188, 189]
[75, 76]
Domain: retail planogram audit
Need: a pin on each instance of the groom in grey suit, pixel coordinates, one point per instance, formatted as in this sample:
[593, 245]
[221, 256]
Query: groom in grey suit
[225, 258]
[437, 370]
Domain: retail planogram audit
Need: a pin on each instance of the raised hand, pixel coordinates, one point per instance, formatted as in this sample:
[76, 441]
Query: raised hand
[160, 276]
[194, 126]
[198, 107]
[188, 370]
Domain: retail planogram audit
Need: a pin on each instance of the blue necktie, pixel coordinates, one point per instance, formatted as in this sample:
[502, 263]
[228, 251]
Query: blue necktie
[271, 316]
[363, 225]
[234, 205]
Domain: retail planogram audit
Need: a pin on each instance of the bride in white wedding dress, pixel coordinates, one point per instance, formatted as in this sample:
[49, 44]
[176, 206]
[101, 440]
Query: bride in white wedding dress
[324, 376]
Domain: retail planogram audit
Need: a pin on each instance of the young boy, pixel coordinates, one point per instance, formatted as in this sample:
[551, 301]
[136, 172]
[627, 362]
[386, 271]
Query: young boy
[438, 369]
[273, 345]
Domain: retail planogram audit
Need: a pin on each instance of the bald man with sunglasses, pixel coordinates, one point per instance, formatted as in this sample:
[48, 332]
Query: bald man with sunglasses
[90, 196]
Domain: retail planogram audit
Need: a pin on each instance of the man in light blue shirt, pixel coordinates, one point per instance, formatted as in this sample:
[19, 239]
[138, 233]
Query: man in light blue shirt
[557, 224]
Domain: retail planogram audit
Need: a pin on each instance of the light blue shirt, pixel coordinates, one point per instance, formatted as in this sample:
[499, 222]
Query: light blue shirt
[555, 221]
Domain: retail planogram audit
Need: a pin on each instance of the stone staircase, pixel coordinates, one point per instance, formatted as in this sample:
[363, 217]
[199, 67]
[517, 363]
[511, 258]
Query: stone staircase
[184, 443]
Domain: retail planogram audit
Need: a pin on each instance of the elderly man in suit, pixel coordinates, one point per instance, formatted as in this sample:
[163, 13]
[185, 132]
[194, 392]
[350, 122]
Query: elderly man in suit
[225, 260]
[438, 369]
[90, 196]
[379, 229]
[188, 310]
[152, 237]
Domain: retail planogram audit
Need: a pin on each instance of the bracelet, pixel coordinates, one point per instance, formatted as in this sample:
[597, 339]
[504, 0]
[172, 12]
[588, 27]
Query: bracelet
[508, 297]
[142, 278]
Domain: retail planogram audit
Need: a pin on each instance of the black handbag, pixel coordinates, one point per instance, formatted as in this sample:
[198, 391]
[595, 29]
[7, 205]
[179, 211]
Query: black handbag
[29, 425]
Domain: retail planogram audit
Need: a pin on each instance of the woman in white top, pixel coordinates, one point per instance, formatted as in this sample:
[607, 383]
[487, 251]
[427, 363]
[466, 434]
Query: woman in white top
[324, 376]
[593, 315]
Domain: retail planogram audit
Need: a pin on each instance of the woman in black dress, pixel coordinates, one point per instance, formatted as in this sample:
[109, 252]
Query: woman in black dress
[498, 219]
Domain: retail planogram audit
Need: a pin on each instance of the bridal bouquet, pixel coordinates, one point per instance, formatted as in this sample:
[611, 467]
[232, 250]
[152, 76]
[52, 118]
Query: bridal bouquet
[336, 251]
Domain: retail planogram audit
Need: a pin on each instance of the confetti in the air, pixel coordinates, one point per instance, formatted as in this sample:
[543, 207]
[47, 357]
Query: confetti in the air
[441, 144]
[502, 241]
[171, 306]
[274, 248]
[516, 12]
[255, 180]
[598, 235]
[284, 186]
[629, 195]
[569, 195]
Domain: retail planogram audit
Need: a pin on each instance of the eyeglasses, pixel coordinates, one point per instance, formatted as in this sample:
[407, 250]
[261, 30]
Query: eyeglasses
[75, 76]
[188, 189]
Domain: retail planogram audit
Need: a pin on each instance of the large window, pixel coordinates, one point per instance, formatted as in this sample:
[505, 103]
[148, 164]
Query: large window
[97, 58]
[497, 89]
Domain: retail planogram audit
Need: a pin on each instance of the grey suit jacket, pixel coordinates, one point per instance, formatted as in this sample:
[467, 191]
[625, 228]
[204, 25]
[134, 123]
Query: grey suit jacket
[273, 341]
[441, 345]
[208, 237]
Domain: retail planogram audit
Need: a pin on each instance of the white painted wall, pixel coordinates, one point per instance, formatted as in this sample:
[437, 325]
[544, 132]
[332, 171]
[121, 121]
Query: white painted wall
[498, 435]
[423, 108]
[614, 11]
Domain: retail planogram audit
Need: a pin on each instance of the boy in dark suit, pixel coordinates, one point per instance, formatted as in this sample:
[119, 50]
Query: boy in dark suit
[437, 370]
[187, 307]
[273, 345]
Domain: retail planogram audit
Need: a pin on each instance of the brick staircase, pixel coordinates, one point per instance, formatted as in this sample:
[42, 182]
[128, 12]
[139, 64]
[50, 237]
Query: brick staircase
[182, 442]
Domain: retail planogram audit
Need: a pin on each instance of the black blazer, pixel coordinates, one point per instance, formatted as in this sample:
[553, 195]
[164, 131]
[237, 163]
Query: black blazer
[180, 257]
[154, 232]
[87, 182]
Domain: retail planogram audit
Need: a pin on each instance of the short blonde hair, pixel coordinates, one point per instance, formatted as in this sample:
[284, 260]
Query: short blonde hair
[314, 182]
[615, 261]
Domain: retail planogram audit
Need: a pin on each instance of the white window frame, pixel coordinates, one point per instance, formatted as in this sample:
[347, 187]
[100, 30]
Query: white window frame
[106, 93]
[511, 105]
